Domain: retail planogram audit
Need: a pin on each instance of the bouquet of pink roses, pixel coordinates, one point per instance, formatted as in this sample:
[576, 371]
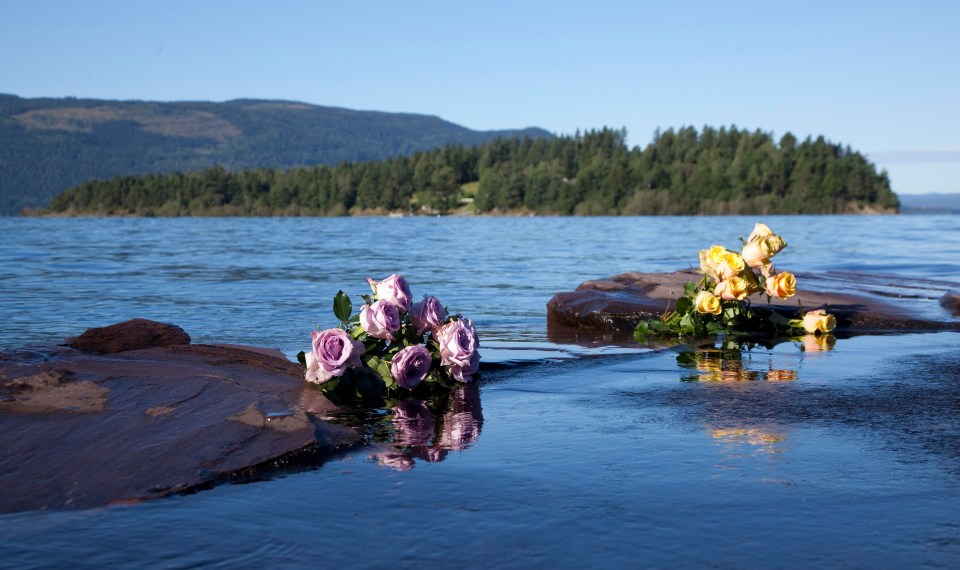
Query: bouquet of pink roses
[391, 343]
[720, 301]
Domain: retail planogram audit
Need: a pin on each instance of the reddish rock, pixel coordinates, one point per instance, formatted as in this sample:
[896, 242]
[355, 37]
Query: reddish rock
[870, 303]
[134, 334]
[951, 302]
[83, 429]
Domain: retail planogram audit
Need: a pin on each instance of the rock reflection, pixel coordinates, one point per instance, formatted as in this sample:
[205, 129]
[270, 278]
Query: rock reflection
[428, 430]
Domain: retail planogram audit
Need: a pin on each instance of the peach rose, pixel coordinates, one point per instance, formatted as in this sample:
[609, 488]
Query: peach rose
[759, 231]
[782, 285]
[818, 322]
[758, 252]
[708, 303]
[732, 289]
[731, 263]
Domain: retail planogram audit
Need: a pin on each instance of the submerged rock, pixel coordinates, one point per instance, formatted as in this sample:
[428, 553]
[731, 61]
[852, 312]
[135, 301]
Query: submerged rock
[133, 411]
[951, 302]
[870, 303]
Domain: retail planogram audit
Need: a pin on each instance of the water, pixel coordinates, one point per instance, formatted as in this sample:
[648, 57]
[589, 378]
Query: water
[594, 456]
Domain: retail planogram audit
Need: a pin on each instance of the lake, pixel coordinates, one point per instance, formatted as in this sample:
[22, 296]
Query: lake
[578, 455]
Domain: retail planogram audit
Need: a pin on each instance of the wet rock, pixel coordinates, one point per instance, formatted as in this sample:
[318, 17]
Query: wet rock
[83, 429]
[134, 334]
[951, 302]
[869, 303]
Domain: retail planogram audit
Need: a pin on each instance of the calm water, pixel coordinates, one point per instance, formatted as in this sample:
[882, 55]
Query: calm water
[268, 281]
[610, 457]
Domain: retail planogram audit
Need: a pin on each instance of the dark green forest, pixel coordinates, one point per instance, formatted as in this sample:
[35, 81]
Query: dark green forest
[682, 172]
[48, 145]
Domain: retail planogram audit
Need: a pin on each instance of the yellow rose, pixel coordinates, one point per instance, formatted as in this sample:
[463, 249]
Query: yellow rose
[758, 252]
[731, 263]
[733, 289]
[782, 285]
[710, 258]
[707, 303]
[819, 322]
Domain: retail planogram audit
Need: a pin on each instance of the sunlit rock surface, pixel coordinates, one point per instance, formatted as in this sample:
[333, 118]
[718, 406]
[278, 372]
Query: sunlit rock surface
[134, 411]
[862, 303]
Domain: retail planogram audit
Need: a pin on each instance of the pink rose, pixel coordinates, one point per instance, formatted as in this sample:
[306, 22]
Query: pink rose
[410, 366]
[333, 351]
[428, 314]
[394, 290]
[380, 320]
[458, 349]
[465, 372]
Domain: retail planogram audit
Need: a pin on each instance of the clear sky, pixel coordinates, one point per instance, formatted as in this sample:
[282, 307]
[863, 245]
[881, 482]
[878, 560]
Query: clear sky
[882, 77]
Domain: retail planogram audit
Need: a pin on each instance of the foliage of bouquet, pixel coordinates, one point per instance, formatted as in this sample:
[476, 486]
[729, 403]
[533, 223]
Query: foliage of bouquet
[720, 301]
[391, 344]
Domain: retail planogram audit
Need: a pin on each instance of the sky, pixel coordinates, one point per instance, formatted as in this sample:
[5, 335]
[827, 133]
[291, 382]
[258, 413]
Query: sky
[882, 77]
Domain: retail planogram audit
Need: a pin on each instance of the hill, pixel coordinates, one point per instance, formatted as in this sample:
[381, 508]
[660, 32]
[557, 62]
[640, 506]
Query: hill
[684, 172]
[48, 145]
[930, 203]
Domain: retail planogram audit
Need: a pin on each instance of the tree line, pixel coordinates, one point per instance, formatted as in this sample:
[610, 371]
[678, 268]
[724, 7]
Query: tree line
[682, 172]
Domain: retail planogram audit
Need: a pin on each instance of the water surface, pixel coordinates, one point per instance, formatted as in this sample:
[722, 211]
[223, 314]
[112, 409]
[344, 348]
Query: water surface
[585, 456]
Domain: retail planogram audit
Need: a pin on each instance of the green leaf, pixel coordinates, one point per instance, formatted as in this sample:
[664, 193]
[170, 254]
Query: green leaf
[779, 320]
[641, 331]
[383, 370]
[730, 314]
[342, 307]
[370, 387]
[684, 305]
[302, 358]
[689, 288]
[715, 328]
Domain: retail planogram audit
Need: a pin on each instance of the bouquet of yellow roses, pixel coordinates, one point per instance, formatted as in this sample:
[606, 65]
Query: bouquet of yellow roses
[720, 301]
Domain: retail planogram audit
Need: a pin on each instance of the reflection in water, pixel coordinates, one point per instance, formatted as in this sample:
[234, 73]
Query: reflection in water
[428, 430]
[725, 362]
[819, 342]
[734, 361]
[765, 440]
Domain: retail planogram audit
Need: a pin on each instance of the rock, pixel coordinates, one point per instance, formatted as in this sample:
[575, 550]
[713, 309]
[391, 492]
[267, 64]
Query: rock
[117, 424]
[134, 334]
[613, 306]
[951, 302]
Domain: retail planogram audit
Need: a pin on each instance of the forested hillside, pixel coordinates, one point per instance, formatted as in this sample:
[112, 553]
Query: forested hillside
[716, 171]
[49, 145]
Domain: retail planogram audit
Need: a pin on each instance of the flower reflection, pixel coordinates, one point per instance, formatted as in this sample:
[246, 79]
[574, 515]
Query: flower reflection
[732, 360]
[763, 440]
[413, 423]
[421, 432]
[818, 342]
[781, 375]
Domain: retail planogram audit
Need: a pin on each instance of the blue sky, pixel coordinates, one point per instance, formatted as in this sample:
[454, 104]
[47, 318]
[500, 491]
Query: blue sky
[883, 77]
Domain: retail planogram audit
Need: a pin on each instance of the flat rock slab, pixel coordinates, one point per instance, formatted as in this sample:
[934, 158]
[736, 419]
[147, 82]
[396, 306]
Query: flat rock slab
[868, 304]
[140, 414]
